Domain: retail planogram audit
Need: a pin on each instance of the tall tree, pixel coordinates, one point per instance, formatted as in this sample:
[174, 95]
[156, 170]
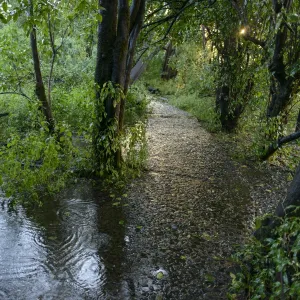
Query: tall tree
[284, 66]
[281, 26]
[117, 35]
[40, 89]
[234, 64]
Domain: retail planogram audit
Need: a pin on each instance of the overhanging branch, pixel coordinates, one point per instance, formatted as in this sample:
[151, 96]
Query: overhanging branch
[279, 143]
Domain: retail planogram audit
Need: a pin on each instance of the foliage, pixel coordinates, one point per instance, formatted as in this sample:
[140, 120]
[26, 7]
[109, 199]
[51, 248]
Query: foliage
[193, 88]
[36, 163]
[269, 269]
[136, 104]
[75, 106]
[110, 142]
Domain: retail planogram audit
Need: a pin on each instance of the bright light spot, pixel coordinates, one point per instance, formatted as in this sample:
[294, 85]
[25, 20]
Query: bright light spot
[243, 31]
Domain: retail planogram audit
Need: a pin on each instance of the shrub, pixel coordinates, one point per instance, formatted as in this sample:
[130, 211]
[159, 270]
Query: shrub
[269, 269]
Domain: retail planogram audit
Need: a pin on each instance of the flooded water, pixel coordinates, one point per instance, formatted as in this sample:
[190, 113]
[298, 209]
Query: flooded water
[72, 248]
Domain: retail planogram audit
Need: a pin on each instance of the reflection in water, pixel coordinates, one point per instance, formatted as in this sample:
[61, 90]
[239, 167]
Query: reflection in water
[70, 249]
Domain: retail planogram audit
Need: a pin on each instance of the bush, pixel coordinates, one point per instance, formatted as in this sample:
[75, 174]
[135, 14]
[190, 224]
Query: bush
[35, 163]
[270, 269]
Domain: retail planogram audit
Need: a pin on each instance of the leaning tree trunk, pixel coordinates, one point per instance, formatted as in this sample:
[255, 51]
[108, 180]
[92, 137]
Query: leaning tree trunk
[40, 90]
[137, 13]
[292, 200]
[288, 207]
[167, 71]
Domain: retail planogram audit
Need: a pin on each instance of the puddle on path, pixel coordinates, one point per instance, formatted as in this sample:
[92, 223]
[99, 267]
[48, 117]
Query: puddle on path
[72, 248]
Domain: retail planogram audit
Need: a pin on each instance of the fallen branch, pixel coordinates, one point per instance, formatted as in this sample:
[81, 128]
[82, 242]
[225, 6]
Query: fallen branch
[279, 143]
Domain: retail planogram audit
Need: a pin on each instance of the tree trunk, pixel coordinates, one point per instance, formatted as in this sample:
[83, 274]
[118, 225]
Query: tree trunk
[292, 198]
[117, 35]
[229, 108]
[232, 94]
[140, 66]
[40, 90]
[298, 123]
[167, 71]
[280, 94]
[137, 14]
[39, 84]
[281, 86]
[289, 207]
[107, 32]
[279, 143]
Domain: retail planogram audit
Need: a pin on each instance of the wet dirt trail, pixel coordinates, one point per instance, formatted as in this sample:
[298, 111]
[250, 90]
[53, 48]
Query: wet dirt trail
[187, 212]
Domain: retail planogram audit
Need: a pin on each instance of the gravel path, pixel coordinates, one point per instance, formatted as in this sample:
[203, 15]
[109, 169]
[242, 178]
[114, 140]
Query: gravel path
[187, 212]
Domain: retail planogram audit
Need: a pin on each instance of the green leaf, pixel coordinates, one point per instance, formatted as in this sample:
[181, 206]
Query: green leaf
[3, 19]
[293, 18]
[4, 6]
[99, 18]
[257, 223]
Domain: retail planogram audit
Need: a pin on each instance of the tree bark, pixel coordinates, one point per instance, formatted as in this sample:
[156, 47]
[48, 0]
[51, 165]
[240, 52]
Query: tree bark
[279, 143]
[288, 207]
[281, 87]
[107, 32]
[227, 106]
[167, 71]
[230, 100]
[292, 198]
[137, 14]
[40, 90]
[117, 35]
[298, 122]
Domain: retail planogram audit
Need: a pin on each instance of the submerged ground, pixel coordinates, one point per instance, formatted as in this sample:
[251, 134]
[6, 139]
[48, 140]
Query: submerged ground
[170, 238]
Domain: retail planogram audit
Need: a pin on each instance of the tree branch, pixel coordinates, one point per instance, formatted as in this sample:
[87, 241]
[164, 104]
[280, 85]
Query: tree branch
[134, 9]
[17, 93]
[279, 143]
[156, 11]
[54, 54]
[255, 41]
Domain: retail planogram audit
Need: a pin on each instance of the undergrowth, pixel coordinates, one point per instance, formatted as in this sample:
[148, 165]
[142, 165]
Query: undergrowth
[34, 163]
[269, 269]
